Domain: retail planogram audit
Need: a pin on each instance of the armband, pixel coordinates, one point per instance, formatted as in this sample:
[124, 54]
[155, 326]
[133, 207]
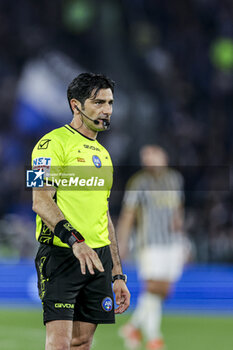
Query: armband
[67, 234]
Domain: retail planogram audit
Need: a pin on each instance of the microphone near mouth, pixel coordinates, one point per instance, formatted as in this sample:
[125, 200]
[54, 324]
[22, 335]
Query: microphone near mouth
[106, 123]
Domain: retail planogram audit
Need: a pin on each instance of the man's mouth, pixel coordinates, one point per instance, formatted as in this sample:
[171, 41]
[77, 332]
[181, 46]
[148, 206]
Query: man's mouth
[104, 119]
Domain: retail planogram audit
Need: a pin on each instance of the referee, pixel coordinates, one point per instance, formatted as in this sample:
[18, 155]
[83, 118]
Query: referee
[78, 258]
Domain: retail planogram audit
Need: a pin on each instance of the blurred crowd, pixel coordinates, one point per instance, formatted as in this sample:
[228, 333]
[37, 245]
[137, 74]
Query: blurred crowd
[173, 66]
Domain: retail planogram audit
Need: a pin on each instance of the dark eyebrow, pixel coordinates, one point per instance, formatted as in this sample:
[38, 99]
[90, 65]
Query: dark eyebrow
[98, 100]
[101, 100]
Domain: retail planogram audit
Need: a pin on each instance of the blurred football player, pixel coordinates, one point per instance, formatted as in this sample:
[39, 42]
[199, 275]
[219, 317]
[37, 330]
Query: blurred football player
[154, 201]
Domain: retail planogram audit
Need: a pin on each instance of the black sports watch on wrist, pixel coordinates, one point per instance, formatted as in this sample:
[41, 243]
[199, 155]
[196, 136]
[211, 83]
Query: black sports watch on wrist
[72, 240]
[119, 277]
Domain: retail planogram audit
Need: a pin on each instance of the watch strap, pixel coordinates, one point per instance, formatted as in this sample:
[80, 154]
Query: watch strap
[119, 277]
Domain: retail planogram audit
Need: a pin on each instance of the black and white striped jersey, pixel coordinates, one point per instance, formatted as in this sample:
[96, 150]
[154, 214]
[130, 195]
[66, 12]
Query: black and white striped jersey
[156, 198]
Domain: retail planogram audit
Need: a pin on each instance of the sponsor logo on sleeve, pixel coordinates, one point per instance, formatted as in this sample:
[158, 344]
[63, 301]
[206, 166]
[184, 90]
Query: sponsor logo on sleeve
[42, 163]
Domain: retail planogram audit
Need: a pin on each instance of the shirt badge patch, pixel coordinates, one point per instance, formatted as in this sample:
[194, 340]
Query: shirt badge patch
[107, 304]
[97, 162]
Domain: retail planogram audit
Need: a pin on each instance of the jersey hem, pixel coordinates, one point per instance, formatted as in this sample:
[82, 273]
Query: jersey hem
[68, 247]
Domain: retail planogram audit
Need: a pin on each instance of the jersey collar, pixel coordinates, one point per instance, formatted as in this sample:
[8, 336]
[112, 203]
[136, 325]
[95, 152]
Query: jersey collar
[70, 128]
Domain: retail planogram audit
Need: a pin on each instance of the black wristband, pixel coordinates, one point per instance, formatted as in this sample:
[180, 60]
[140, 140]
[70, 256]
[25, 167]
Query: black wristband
[119, 277]
[67, 234]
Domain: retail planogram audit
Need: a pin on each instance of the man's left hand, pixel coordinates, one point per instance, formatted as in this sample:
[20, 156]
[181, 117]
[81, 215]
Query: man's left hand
[122, 295]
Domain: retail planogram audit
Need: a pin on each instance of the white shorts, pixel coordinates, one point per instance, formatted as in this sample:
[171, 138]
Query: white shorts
[162, 263]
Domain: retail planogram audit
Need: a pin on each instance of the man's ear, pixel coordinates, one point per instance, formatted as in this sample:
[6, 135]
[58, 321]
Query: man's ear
[75, 105]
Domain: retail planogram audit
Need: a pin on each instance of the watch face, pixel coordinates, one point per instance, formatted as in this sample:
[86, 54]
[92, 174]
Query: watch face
[72, 240]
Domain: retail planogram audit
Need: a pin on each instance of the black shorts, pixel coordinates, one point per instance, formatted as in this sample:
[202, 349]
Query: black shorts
[66, 294]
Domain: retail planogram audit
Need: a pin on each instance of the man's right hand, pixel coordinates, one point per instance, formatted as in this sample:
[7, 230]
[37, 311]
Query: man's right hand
[87, 256]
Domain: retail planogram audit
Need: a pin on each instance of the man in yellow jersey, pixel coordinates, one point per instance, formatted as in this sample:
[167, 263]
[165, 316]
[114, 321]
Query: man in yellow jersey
[78, 258]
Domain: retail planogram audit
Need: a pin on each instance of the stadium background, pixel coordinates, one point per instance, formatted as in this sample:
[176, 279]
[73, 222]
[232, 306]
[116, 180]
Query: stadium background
[173, 64]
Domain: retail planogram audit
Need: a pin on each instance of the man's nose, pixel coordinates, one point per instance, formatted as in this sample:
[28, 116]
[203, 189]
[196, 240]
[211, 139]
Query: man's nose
[107, 109]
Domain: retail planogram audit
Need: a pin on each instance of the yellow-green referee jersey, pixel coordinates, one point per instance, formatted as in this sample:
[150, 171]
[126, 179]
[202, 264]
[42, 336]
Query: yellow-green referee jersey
[82, 171]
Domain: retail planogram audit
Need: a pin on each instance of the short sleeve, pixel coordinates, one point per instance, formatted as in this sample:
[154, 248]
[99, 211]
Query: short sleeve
[48, 156]
[180, 187]
[132, 194]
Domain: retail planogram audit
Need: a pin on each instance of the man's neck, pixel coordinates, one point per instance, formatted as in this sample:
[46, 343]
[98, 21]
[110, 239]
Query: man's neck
[83, 129]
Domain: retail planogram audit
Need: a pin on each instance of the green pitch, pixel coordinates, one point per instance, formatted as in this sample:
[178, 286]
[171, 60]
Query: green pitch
[23, 330]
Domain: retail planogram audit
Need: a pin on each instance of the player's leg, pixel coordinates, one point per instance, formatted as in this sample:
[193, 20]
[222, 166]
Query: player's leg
[131, 331]
[58, 335]
[147, 316]
[82, 336]
[148, 313]
[161, 288]
[158, 287]
[156, 292]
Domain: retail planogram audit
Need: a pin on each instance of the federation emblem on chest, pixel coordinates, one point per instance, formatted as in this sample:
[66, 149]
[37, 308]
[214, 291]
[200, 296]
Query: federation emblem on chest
[97, 162]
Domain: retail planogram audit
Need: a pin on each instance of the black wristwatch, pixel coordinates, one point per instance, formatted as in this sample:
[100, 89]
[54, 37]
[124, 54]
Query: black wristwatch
[119, 277]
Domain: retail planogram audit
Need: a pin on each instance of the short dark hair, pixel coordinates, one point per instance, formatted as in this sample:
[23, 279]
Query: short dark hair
[82, 86]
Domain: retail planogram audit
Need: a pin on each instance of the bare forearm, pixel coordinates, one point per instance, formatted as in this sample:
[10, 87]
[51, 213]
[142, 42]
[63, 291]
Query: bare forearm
[117, 269]
[178, 221]
[124, 229]
[47, 209]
